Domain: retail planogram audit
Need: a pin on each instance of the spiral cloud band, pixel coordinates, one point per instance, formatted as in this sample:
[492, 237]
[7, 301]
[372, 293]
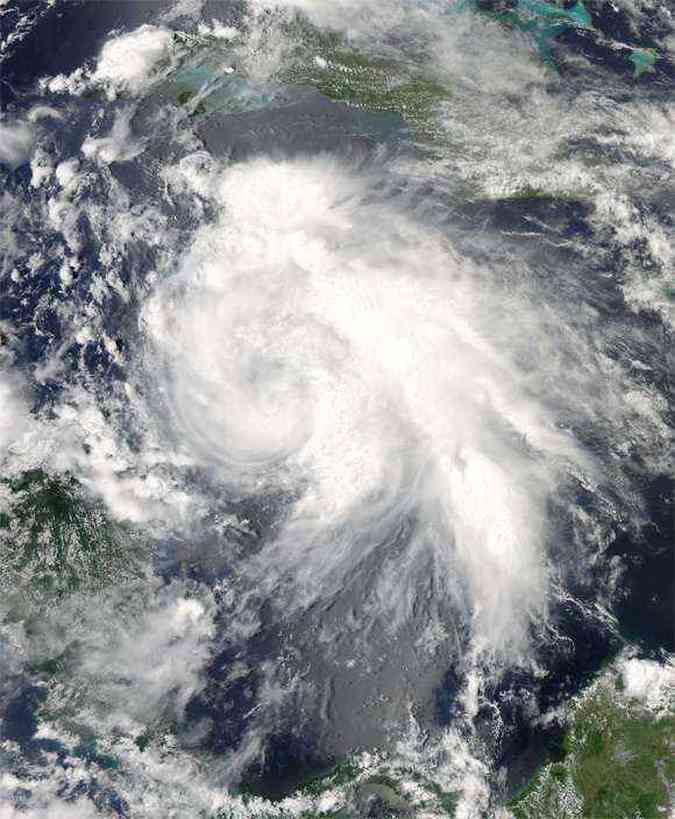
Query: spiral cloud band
[318, 341]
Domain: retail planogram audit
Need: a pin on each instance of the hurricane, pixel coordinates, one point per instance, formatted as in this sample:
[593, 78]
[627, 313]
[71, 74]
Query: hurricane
[336, 423]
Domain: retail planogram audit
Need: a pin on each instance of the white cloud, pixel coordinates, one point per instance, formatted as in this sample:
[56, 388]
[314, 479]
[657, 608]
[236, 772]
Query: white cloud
[124, 65]
[311, 340]
[119, 146]
[650, 682]
[160, 655]
[38, 112]
[16, 143]
[15, 418]
[126, 61]
[56, 809]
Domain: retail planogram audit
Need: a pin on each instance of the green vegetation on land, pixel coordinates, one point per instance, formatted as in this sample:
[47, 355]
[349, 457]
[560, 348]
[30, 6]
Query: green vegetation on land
[381, 82]
[356, 787]
[326, 62]
[55, 539]
[619, 763]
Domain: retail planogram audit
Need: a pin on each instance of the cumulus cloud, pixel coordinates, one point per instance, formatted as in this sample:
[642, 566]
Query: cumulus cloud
[16, 143]
[126, 61]
[15, 419]
[39, 112]
[139, 650]
[134, 656]
[161, 655]
[124, 65]
[650, 682]
[119, 146]
[55, 809]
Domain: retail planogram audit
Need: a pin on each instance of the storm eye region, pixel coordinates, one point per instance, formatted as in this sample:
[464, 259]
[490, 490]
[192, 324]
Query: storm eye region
[323, 344]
